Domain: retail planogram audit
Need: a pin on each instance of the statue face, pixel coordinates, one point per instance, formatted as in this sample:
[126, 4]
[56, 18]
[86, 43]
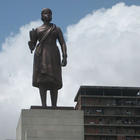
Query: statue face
[46, 16]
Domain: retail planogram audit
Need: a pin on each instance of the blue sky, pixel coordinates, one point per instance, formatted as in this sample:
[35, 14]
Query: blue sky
[15, 13]
[103, 49]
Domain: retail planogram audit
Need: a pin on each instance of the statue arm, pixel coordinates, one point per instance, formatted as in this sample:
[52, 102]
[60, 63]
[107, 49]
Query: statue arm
[33, 39]
[63, 46]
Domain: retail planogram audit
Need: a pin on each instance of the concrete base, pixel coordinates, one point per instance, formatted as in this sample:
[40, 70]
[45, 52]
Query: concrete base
[42, 124]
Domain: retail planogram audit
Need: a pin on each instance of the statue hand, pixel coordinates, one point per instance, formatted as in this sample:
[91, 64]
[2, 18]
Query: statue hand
[31, 45]
[64, 62]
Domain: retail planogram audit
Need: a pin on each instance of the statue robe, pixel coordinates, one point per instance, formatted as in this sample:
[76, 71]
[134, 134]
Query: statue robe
[47, 65]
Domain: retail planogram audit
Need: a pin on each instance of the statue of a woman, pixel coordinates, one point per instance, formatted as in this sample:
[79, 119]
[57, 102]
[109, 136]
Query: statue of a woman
[47, 61]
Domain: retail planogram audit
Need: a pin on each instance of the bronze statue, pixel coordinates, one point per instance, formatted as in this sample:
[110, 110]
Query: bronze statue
[47, 60]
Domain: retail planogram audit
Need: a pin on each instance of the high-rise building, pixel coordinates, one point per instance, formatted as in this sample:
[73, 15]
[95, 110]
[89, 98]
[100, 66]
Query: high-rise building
[110, 113]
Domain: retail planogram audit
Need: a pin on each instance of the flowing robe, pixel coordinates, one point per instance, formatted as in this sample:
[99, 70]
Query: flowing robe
[47, 65]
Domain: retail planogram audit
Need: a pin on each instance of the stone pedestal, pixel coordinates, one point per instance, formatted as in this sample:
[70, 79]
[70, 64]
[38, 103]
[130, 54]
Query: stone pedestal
[42, 124]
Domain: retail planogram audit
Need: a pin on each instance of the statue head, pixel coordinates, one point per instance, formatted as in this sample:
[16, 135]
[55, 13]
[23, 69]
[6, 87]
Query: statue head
[46, 14]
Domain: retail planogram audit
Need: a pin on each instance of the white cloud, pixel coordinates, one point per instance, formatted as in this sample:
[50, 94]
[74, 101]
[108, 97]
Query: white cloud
[15, 80]
[103, 49]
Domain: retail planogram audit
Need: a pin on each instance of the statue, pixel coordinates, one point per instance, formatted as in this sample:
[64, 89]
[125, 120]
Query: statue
[47, 60]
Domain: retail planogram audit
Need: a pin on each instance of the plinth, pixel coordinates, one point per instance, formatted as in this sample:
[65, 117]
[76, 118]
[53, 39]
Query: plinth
[50, 124]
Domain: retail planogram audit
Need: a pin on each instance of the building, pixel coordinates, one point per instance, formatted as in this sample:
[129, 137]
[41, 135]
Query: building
[110, 113]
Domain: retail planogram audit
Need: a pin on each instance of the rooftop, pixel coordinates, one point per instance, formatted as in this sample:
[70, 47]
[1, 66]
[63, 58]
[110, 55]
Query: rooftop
[107, 91]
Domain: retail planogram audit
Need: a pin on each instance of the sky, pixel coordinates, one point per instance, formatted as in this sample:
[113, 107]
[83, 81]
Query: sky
[102, 38]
